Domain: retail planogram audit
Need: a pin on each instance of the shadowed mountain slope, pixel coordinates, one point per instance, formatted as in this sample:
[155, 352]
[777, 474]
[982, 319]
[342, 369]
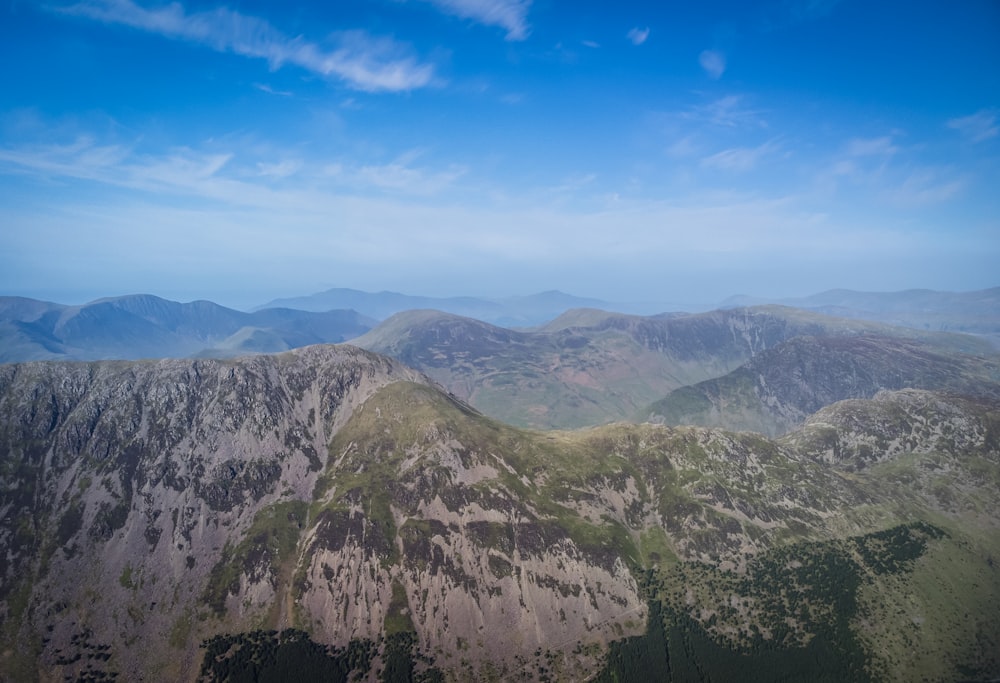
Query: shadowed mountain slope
[777, 389]
[160, 518]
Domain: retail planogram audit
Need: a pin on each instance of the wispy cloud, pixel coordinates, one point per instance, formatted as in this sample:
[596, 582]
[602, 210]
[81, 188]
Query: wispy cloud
[508, 14]
[867, 147]
[399, 175]
[713, 62]
[264, 87]
[925, 186]
[362, 61]
[729, 111]
[221, 175]
[977, 127]
[406, 211]
[684, 147]
[590, 43]
[739, 158]
[280, 169]
[180, 171]
[638, 36]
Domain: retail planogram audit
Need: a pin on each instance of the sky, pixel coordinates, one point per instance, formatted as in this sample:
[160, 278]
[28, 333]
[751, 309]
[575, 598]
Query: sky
[630, 151]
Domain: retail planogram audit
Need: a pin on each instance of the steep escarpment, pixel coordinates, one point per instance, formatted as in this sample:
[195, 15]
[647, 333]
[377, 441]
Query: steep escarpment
[186, 519]
[123, 482]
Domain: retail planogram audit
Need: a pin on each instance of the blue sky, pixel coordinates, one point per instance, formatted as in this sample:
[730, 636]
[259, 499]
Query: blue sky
[624, 150]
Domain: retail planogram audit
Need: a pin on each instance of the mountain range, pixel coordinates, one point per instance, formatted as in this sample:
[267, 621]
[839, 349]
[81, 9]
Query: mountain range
[513, 311]
[754, 493]
[145, 326]
[976, 312]
[330, 512]
[591, 367]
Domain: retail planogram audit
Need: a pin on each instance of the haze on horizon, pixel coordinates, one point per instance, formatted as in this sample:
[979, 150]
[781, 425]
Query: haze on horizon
[631, 151]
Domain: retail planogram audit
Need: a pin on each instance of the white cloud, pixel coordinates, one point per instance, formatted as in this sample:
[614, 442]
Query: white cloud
[590, 44]
[244, 219]
[739, 158]
[362, 61]
[264, 87]
[638, 36]
[281, 169]
[713, 62]
[221, 175]
[863, 147]
[728, 111]
[508, 14]
[400, 177]
[977, 127]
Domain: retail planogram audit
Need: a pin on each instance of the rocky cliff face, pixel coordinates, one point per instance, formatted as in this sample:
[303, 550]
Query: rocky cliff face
[123, 483]
[149, 507]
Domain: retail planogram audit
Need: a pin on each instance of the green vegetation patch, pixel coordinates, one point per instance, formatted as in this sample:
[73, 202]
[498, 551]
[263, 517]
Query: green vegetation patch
[267, 545]
[397, 618]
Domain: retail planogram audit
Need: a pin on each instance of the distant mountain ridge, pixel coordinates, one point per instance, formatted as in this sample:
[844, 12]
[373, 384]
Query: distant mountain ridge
[976, 312]
[778, 388]
[514, 311]
[146, 326]
[591, 367]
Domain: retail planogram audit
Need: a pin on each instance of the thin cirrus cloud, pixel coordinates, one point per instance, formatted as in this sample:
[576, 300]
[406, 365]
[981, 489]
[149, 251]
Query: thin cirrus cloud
[511, 15]
[977, 127]
[926, 186]
[361, 61]
[713, 62]
[399, 176]
[867, 147]
[638, 36]
[739, 158]
[264, 87]
[729, 111]
[220, 175]
[280, 169]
